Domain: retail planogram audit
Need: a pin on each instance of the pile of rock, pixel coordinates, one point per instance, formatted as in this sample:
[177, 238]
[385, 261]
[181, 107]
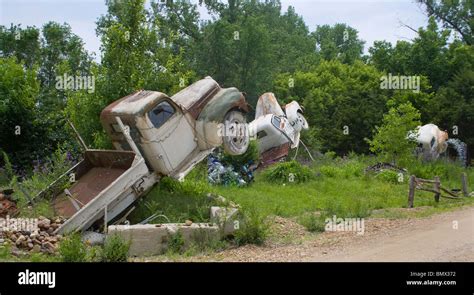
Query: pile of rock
[41, 240]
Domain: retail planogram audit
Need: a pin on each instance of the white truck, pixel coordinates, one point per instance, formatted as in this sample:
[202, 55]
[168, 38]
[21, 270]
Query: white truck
[154, 136]
[276, 130]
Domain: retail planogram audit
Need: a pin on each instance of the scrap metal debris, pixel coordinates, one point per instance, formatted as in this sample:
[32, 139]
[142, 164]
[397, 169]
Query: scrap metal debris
[219, 173]
[379, 167]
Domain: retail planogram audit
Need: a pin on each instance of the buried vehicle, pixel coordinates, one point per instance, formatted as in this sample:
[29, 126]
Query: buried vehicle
[433, 142]
[276, 130]
[154, 135]
[173, 133]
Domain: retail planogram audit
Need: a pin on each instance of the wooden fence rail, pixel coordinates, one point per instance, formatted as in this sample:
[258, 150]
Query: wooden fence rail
[436, 188]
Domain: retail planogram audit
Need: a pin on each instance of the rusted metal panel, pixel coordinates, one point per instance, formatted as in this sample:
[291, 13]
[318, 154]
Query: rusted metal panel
[268, 104]
[225, 100]
[274, 155]
[120, 188]
[134, 104]
[86, 188]
[206, 93]
[196, 96]
[93, 159]
[241, 103]
[97, 171]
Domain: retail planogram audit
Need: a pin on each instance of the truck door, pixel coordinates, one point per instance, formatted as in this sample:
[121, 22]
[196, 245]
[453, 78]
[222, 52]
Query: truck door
[172, 136]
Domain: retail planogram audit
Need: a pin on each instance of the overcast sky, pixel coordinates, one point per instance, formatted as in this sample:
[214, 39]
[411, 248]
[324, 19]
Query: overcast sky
[374, 19]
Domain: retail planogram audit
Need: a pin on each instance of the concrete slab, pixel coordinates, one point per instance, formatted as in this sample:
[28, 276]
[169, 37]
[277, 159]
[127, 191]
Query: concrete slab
[152, 239]
[226, 218]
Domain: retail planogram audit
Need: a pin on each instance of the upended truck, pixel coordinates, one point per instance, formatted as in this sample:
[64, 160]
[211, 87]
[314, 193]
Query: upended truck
[155, 135]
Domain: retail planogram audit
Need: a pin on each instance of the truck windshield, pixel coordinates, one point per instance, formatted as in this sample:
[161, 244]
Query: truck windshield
[161, 113]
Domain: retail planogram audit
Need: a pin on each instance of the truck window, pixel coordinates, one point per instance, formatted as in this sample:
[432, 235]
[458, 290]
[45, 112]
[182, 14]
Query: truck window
[276, 121]
[161, 113]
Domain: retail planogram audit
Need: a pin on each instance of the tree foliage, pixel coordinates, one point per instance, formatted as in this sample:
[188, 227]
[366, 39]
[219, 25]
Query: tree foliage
[255, 46]
[455, 15]
[390, 140]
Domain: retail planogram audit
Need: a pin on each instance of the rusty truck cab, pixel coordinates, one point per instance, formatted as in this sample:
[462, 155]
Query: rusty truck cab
[152, 119]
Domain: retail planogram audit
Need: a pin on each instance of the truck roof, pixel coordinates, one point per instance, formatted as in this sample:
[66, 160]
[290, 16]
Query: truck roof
[198, 92]
[134, 104]
[192, 98]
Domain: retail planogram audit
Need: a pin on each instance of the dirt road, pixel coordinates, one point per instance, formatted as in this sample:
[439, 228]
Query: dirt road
[444, 237]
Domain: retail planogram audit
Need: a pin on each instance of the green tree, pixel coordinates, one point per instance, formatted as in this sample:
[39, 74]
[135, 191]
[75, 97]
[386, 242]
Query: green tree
[235, 50]
[24, 44]
[456, 15]
[339, 42]
[390, 140]
[19, 132]
[61, 52]
[380, 55]
[453, 104]
[342, 103]
[428, 54]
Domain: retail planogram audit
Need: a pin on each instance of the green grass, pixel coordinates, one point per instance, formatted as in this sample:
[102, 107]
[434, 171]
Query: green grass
[175, 202]
[312, 223]
[115, 249]
[338, 186]
[342, 188]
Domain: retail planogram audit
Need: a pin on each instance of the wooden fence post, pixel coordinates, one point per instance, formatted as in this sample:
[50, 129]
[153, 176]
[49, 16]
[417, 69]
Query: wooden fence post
[437, 185]
[411, 191]
[465, 190]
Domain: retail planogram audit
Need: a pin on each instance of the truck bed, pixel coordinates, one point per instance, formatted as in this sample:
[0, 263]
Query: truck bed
[106, 182]
[87, 188]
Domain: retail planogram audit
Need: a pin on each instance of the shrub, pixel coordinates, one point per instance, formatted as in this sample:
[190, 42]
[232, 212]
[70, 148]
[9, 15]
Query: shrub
[204, 240]
[333, 207]
[390, 140]
[41, 257]
[169, 184]
[430, 170]
[175, 201]
[388, 176]
[351, 208]
[253, 228]
[312, 222]
[353, 168]
[176, 243]
[249, 157]
[5, 251]
[115, 249]
[72, 249]
[357, 209]
[288, 171]
[330, 171]
[190, 188]
[94, 254]
[330, 155]
[44, 174]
